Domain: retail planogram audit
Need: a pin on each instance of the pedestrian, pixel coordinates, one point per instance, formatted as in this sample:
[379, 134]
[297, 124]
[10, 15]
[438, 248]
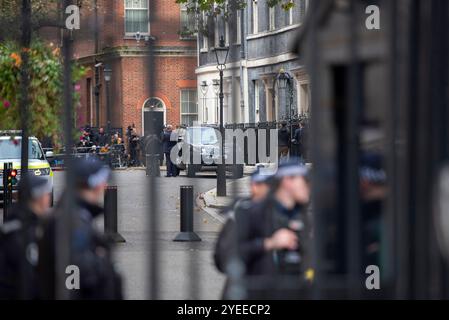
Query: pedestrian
[225, 254]
[90, 250]
[299, 142]
[272, 250]
[283, 142]
[19, 236]
[134, 147]
[102, 139]
[169, 140]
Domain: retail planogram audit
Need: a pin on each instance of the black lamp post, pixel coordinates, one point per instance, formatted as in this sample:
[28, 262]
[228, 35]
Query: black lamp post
[216, 86]
[107, 78]
[221, 53]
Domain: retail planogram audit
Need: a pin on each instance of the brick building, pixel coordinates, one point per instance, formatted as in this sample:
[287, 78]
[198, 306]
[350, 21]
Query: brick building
[108, 39]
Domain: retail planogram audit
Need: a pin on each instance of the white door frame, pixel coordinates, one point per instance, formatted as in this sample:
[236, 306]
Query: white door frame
[145, 109]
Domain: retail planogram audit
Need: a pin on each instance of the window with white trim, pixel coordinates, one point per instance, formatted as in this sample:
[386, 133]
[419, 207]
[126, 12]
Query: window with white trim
[255, 12]
[136, 16]
[187, 22]
[189, 106]
[271, 18]
[203, 33]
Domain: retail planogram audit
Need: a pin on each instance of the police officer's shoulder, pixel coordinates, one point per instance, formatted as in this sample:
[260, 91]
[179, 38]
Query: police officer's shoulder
[10, 227]
[242, 204]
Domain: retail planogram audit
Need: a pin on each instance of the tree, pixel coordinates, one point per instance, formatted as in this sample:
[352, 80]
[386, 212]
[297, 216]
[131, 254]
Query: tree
[45, 88]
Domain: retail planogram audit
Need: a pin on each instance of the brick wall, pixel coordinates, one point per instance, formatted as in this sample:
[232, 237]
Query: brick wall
[129, 85]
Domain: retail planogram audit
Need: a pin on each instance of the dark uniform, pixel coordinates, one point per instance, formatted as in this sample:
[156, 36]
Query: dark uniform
[19, 257]
[277, 274]
[19, 254]
[91, 253]
[226, 254]
[90, 250]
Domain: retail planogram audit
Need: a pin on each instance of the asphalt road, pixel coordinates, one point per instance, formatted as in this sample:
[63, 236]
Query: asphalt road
[186, 270]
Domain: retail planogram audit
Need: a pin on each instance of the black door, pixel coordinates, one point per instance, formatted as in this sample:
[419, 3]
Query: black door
[153, 122]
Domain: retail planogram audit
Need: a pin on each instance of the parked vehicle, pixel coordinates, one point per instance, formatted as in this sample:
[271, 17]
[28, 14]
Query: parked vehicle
[10, 152]
[204, 146]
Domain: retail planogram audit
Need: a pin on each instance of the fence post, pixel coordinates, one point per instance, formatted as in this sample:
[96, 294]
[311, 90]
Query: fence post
[152, 165]
[187, 234]
[110, 214]
[5, 191]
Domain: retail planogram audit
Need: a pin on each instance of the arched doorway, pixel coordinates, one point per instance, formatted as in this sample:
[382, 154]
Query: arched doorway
[153, 116]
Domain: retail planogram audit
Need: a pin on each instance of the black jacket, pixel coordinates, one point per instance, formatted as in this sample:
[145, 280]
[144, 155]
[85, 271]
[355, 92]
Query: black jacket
[265, 271]
[102, 139]
[90, 251]
[167, 143]
[18, 256]
[284, 137]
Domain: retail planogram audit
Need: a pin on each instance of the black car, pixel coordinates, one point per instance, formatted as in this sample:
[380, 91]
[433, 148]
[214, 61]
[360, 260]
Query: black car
[204, 146]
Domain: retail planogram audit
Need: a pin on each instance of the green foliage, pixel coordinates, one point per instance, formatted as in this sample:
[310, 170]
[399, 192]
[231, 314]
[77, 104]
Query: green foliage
[45, 69]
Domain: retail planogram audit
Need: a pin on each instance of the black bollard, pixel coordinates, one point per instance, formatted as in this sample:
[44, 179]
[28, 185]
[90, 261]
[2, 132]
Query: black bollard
[187, 234]
[110, 214]
[152, 162]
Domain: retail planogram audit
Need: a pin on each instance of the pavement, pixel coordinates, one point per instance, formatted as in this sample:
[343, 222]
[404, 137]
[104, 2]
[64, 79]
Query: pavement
[186, 270]
[214, 205]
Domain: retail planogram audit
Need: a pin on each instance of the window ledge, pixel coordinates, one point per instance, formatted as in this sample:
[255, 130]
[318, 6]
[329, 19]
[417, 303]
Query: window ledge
[203, 50]
[132, 36]
[272, 32]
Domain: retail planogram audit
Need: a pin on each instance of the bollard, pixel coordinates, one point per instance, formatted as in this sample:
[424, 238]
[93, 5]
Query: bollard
[110, 214]
[152, 162]
[187, 234]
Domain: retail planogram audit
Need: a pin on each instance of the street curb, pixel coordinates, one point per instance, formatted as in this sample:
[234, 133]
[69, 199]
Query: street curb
[213, 212]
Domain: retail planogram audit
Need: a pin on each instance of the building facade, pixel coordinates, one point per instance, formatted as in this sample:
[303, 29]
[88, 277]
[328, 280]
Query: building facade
[115, 35]
[259, 38]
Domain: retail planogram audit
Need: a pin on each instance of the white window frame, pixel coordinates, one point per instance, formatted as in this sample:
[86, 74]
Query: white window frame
[256, 101]
[148, 15]
[255, 12]
[271, 18]
[204, 38]
[238, 38]
[181, 101]
[183, 9]
[226, 32]
[290, 16]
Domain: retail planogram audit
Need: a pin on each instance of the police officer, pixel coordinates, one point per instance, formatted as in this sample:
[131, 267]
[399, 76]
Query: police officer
[90, 250]
[226, 245]
[269, 234]
[18, 241]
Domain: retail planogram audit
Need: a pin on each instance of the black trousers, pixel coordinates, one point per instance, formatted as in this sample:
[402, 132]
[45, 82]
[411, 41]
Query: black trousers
[171, 168]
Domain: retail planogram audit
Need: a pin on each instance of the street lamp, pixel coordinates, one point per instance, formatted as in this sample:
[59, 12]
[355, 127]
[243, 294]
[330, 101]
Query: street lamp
[285, 81]
[221, 53]
[204, 89]
[107, 78]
